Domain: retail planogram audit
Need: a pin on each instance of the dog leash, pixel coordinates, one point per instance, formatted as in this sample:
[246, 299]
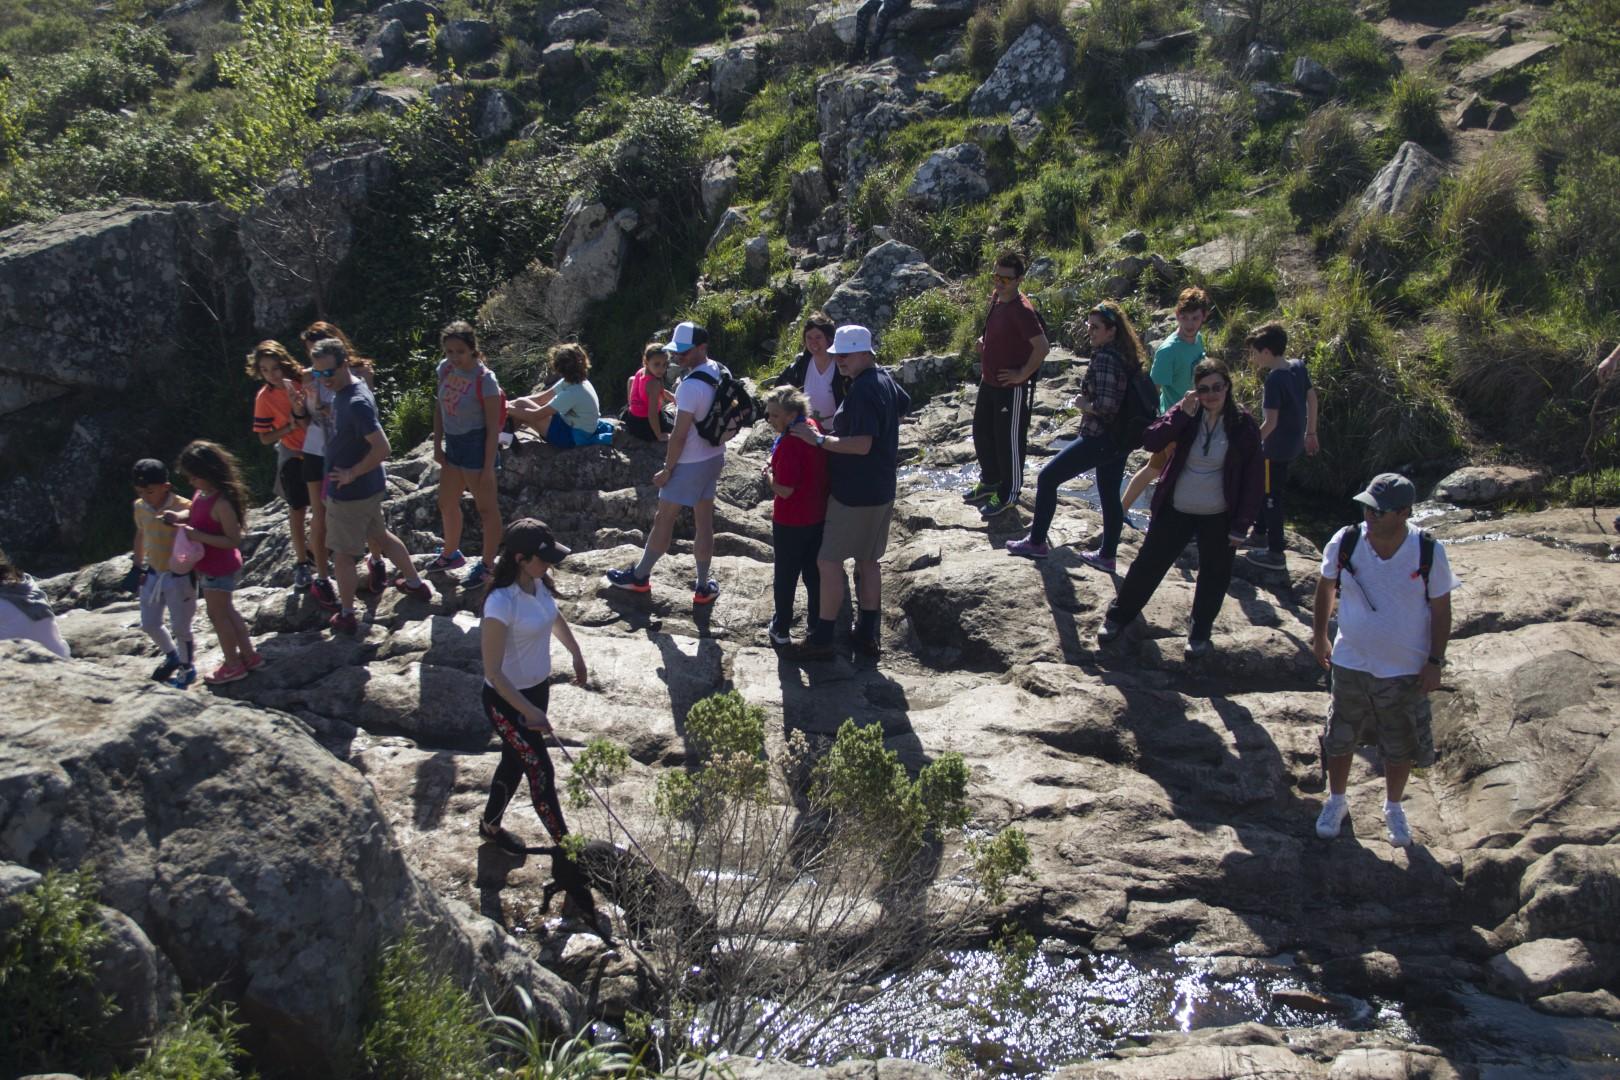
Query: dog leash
[628, 835]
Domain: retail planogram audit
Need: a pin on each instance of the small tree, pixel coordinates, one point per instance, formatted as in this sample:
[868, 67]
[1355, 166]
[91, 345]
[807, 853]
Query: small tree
[276, 68]
[810, 877]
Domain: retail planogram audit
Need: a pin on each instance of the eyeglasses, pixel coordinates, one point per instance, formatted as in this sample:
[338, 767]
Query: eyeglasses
[1211, 388]
[1005, 279]
[324, 373]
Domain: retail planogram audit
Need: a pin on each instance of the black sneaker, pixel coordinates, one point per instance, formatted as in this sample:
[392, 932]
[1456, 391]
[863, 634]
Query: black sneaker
[170, 665]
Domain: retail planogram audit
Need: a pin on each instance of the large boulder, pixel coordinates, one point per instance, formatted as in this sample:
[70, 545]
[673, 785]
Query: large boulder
[468, 40]
[855, 110]
[578, 24]
[1030, 74]
[1480, 485]
[386, 49]
[833, 25]
[415, 14]
[256, 862]
[734, 75]
[590, 259]
[1174, 100]
[1406, 180]
[951, 177]
[890, 273]
[1506, 61]
[1549, 966]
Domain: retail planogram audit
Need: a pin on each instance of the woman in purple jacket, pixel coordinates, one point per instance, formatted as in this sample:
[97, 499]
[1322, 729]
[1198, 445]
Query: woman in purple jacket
[1211, 488]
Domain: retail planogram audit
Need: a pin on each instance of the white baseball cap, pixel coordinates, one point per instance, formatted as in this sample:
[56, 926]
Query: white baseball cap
[851, 339]
[688, 335]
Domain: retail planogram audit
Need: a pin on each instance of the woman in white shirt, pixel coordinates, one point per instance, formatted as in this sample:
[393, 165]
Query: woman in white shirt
[520, 617]
[25, 613]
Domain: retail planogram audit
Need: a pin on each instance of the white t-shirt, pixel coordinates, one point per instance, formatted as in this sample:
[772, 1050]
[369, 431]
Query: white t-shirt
[695, 396]
[528, 620]
[319, 405]
[1383, 618]
[818, 388]
[16, 625]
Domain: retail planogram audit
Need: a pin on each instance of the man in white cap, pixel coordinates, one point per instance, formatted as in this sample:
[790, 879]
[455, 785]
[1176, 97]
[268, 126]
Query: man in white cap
[1393, 585]
[691, 471]
[863, 456]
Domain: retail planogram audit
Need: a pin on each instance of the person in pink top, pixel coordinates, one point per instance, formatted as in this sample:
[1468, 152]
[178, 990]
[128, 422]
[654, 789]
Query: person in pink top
[644, 417]
[798, 475]
[215, 519]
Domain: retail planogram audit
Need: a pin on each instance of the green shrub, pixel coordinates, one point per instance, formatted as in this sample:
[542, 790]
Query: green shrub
[1383, 249]
[776, 127]
[1019, 15]
[1056, 207]
[201, 1043]
[930, 323]
[1362, 59]
[981, 42]
[1414, 110]
[1484, 223]
[411, 418]
[739, 323]
[51, 1012]
[654, 164]
[1582, 240]
[1331, 161]
[119, 71]
[419, 1025]
[1571, 121]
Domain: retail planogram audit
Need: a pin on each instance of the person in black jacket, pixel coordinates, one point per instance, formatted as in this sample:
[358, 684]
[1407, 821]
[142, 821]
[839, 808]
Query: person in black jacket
[1211, 488]
[815, 369]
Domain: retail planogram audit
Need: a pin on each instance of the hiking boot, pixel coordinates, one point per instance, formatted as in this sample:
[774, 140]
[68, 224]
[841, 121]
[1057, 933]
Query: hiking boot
[420, 591]
[979, 492]
[1028, 548]
[226, 673]
[779, 638]
[326, 596]
[704, 592]
[184, 676]
[626, 579]
[376, 575]
[171, 664]
[1266, 559]
[1109, 631]
[303, 574]
[996, 506]
[1256, 540]
[1100, 561]
[1400, 833]
[811, 649]
[344, 622]
[1331, 819]
[1198, 648]
[445, 563]
[867, 644]
[475, 577]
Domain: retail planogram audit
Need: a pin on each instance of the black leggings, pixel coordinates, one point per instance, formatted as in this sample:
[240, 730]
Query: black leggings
[523, 750]
[1167, 535]
[796, 549]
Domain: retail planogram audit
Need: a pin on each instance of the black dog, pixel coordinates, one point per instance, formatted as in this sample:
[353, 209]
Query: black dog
[650, 898]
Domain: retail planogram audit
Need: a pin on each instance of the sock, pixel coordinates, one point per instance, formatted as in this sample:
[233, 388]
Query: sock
[702, 572]
[649, 559]
[822, 634]
[866, 624]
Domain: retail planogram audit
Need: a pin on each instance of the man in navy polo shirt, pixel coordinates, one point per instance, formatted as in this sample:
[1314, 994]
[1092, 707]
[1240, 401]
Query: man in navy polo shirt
[863, 455]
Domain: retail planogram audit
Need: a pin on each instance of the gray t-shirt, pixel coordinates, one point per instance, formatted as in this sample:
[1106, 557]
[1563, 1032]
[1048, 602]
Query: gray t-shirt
[460, 402]
[1200, 489]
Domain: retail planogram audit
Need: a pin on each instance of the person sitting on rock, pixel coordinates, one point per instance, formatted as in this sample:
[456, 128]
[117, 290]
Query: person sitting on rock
[691, 473]
[815, 370]
[279, 419]
[645, 416]
[1011, 350]
[886, 11]
[519, 619]
[864, 454]
[1172, 373]
[466, 440]
[1386, 658]
[159, 589]
[798, 478]
[1210, 489]
[1115, 360]
[25, 613]
[567, 413]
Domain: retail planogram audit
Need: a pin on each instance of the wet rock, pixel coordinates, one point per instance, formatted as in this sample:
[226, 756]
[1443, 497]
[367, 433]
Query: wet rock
[719, 185]
[890, 273]
[467, 40]
[1311, 77]
[1173, 99]
[1506, 61]
[1030, 74]
[414, 14]
[577, 24]
[386, 50]
[1549, 966]
[1480, 485]
[1404, 182]
[951, 177]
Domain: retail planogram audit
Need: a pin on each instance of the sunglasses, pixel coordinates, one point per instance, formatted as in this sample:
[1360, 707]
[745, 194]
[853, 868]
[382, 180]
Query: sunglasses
[1005, 279]
[1211, 388]
[1375, 512]
[324, 373]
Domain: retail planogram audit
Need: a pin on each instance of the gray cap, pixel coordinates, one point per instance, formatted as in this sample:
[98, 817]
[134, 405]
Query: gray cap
[1388, 491]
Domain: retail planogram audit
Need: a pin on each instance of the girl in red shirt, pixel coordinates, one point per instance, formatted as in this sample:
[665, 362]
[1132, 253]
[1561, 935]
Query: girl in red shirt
[215, 519]
[798, 475]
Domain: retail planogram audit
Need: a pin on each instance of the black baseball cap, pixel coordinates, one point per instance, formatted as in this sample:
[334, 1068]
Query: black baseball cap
[531, 536]
[1388, 491]
[150, 471]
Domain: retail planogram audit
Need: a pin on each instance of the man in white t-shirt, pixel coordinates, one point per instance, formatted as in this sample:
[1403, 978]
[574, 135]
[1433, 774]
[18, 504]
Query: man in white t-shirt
[691, 471]
[1394, 622]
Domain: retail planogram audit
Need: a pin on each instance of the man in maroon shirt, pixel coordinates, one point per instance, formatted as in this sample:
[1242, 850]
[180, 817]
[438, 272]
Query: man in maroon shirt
[1010, 353]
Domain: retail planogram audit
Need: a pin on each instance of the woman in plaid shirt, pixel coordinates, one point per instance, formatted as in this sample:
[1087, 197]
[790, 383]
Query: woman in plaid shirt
[1116, 357]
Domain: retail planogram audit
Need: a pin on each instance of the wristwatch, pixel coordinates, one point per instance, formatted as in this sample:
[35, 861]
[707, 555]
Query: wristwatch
[1438, 661]
[821, 438]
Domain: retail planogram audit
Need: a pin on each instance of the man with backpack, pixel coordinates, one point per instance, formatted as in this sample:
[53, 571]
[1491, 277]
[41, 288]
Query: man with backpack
[1011, 350]
[693, 460]
[1392, 584]
[863, 455]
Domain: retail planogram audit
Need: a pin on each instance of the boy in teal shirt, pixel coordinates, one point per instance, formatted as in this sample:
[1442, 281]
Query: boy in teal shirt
[1173, 363]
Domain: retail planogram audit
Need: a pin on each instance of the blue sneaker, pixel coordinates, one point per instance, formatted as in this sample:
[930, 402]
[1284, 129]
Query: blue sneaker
[453, 561]
[626, 579]
[475, 577]
[184, 677]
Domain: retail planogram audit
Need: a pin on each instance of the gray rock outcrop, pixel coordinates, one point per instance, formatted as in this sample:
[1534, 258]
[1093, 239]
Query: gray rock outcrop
[578, 24]
[1173, 100]
[735, 74]
[890, 273]
[413, 13]
[718, 185]
[1481, 485]
[1313, 78]
[500, 114]
[468, 40]
[1506, 61]
[1030, 75]
[590, 260]
[832, 25]
[1405, 181]
[855, 109]
[808, 195]
[954, 176]
[386, 50]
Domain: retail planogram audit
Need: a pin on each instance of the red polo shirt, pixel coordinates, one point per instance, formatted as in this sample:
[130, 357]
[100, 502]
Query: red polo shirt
[802, 467]
[1007, 333]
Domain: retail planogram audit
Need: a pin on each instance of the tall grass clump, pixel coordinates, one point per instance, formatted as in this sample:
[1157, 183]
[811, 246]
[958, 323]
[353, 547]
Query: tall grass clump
[419, 1025]
[1413, 110]
[930, 323]
[1331, 161]
[1484, 224]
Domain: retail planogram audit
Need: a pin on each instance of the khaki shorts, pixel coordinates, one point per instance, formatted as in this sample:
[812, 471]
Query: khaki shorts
[1161, 458]
[1392, 713]
[351, 522]
[856, 532]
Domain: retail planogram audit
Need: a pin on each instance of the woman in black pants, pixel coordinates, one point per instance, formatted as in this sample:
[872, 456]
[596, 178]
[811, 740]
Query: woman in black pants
[520, 617]
[1211, 488]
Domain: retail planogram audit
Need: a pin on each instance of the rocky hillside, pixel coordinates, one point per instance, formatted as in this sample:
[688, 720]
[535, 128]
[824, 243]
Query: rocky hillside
[1168, 804]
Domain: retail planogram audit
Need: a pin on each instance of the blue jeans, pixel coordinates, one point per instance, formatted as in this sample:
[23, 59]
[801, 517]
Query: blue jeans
[1087, 452]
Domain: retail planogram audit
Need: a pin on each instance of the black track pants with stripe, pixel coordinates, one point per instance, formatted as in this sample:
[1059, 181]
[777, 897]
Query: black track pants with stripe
[1001, 436]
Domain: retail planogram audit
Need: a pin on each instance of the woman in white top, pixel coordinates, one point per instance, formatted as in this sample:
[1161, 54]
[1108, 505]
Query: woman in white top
[520, 617]
[25, 613]
[815, 370]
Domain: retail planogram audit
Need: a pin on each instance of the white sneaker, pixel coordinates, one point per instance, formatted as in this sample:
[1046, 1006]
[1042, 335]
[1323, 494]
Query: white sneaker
[1334, 811]
[1400, 833]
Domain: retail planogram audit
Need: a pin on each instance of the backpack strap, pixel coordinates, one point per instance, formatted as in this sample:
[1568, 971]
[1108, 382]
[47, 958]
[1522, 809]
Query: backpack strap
[1425, 558]
[1351, 536]
[704, 376]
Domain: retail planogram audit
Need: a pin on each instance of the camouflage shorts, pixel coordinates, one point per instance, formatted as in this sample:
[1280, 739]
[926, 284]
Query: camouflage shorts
[1393, 714]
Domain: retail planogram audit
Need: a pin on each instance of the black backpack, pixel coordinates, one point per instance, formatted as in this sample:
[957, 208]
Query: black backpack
[1136, 412]
[1352, 537]
[732, 410]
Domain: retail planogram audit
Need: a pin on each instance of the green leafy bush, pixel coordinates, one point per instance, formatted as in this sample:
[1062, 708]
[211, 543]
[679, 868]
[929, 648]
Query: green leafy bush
[419, 1025]
[201, 1043]
[740, 324]
[119, 71]
[928, 323]
[1331, 161]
